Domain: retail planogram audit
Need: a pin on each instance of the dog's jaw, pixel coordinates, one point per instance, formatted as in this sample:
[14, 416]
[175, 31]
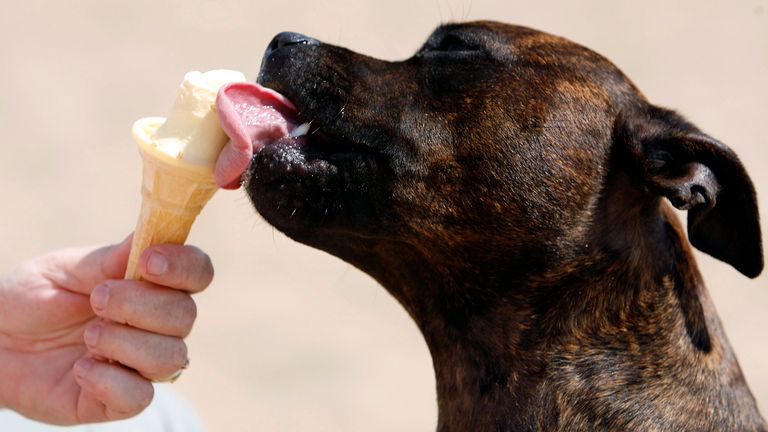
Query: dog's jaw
[528, 354]
[309, 195]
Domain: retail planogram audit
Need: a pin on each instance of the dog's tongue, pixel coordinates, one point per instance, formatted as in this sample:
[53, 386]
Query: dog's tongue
[252, 116]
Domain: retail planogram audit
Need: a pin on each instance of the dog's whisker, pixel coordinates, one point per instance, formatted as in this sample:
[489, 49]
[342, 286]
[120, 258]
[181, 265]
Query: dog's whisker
[469, 10]
[274, 240]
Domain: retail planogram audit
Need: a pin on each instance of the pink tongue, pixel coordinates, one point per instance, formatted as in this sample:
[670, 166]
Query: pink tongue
[252, 116]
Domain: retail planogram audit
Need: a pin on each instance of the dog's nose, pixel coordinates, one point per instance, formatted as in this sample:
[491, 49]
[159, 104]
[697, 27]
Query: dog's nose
[287, 39]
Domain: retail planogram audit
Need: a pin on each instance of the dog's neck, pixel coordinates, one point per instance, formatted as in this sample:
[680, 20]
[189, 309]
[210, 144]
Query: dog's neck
[514, 353]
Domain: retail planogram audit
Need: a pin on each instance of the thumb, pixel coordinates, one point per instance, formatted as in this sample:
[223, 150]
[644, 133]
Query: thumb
[116, 259]
[107, 262]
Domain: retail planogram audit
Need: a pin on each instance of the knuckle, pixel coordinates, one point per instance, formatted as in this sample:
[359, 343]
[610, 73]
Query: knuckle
[201, 270]
[184, 317]
[176, 359]
[135, 394]
[189, 315]
[197, 277]
[191, 308]
[207, 269]
[178, 356]
[145, 394]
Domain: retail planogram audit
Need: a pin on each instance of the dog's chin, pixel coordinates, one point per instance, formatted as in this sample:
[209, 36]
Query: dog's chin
[314, 184]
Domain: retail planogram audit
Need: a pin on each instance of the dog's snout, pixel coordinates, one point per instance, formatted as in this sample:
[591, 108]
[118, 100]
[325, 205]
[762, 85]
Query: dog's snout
[285, 39]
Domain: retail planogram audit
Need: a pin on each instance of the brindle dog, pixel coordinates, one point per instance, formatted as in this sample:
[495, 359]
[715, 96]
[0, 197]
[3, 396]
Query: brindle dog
[511, 190]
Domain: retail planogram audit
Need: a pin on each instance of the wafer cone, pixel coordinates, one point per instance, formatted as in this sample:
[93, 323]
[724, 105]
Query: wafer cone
[179, 154]
[173, 192]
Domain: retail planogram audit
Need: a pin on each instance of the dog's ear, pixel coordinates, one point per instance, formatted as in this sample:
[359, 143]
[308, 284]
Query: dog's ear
[699, 174]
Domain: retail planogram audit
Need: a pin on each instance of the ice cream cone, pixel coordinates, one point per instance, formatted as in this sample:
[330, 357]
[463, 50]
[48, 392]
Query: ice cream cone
[173, 192]
[179, 154]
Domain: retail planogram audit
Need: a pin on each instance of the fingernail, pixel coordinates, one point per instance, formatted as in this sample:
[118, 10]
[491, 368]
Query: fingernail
[100, 297]
[82, 367]
[91, 335]
[157, 264]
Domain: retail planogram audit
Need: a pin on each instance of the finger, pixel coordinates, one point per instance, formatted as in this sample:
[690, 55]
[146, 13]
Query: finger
[181, 267]
[145, 306]
[107, 262]
[123, 392]
[80, 269]
[154, 356]
[116, 259]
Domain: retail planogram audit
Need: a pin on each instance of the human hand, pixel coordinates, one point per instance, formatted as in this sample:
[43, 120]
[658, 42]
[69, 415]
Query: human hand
[78, 344]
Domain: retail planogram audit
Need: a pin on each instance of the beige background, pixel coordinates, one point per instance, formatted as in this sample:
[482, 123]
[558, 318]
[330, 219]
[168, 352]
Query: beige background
[288, 338]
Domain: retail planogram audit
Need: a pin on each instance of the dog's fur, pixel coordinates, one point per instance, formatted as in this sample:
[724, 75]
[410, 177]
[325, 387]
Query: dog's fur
[508, 187]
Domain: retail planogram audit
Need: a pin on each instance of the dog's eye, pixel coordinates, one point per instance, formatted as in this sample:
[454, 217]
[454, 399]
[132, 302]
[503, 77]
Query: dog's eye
[452, 44]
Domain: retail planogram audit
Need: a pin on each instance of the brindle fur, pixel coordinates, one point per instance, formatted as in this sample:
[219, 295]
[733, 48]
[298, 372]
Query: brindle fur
[508, 188]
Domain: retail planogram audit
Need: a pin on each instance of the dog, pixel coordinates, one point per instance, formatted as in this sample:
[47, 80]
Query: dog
[513, 191]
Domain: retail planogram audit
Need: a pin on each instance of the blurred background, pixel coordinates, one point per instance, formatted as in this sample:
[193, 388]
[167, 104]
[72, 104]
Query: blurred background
[289, 338]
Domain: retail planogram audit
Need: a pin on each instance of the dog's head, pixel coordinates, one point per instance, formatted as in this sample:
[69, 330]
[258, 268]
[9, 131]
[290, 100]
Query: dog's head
[492, 139]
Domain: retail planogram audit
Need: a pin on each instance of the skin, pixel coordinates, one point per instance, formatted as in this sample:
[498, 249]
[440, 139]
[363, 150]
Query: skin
[78, 344]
